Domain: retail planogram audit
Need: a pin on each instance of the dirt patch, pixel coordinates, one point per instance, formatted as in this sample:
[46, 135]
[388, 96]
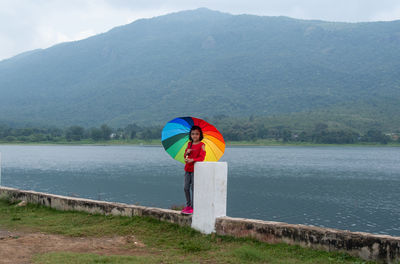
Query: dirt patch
[18, 247]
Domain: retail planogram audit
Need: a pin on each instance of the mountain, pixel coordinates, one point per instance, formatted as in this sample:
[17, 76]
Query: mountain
[206, 63]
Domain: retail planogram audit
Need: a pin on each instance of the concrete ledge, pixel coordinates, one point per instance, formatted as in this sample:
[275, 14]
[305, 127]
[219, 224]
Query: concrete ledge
[367, 246]
[66, 203]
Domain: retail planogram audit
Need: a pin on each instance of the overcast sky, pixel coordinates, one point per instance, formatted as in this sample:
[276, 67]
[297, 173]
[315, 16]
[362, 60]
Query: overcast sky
[32, 24]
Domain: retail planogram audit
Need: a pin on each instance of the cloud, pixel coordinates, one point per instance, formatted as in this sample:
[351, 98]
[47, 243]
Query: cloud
[27, 25]
[387, 15]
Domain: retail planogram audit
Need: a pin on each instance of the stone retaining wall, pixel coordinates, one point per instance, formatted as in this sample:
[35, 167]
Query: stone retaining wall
[66, 203]
[367, 246]
[383, 248]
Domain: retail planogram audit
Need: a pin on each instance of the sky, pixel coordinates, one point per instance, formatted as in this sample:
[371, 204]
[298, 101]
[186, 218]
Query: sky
[31, 24]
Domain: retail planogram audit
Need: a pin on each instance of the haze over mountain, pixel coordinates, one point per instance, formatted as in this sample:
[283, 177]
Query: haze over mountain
[207, 63]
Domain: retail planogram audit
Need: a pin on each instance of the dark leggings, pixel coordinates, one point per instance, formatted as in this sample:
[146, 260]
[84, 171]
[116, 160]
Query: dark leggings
[187, 187]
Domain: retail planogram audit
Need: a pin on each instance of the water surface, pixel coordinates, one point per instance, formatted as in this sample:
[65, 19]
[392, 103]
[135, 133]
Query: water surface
[353, 188]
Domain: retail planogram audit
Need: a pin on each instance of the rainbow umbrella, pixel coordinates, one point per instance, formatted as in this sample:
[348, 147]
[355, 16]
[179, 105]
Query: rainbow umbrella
[175, 138]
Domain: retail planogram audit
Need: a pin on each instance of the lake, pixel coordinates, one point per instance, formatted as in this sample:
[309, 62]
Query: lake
[352, 188]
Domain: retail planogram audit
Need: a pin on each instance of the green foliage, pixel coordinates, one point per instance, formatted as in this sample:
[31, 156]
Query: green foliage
[148, 72]
[74, 133]
[233, 130]
[375, 135]
[78, 133]
[105, 132]
[96, 134]
[10, 138]
[292, 129]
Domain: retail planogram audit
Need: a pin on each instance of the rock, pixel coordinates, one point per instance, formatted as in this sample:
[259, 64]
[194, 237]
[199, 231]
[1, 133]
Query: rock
[22, 203]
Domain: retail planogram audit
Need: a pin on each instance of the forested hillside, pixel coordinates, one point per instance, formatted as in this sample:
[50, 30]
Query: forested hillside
[206, 64]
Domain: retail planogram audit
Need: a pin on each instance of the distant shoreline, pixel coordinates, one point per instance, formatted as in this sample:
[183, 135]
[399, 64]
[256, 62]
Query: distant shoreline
[228, 143]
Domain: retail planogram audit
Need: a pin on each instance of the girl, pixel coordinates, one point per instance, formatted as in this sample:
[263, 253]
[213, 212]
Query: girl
[194, 152]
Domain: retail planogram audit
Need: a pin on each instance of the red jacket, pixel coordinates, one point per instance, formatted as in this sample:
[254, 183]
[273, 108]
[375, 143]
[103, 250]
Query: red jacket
[197, 154]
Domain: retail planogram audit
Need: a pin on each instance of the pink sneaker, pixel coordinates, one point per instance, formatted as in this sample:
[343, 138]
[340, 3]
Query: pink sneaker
[187, 210]
[184, 210]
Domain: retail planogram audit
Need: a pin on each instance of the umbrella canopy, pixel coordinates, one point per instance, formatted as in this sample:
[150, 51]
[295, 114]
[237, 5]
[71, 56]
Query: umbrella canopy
[175, 138]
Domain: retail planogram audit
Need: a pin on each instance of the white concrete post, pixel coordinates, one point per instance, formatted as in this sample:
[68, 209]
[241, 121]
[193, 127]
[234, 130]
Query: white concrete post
[209, 197]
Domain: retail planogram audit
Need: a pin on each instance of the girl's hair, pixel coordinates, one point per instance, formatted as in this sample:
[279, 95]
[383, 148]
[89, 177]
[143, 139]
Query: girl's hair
[196, 128]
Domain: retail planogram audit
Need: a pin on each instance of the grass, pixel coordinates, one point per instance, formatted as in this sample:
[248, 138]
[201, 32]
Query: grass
[83, 258]
[165, 242]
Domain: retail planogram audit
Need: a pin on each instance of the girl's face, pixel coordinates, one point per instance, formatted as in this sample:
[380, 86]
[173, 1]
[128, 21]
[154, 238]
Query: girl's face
[195, 134]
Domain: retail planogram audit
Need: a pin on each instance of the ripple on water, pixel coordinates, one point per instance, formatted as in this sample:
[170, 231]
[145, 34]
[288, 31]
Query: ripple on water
[349, 188]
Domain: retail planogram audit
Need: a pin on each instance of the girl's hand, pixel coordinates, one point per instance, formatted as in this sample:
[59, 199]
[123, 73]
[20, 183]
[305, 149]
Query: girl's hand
[188, 151]
[188, 160]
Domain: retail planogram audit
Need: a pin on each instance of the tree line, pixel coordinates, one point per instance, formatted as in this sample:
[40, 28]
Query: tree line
[320, 133]
[232, 130]
[78, 133]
